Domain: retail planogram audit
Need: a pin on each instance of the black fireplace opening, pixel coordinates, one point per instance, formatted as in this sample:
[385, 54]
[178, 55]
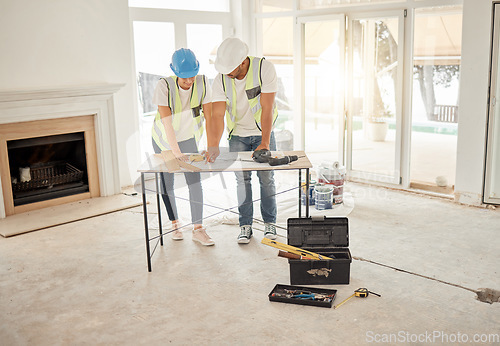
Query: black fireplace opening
[48, 167]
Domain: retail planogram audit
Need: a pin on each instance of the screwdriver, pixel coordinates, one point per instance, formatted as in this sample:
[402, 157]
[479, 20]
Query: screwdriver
[361, 293]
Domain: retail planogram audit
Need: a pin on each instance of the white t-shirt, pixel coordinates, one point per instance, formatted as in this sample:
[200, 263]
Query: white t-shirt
[160, 98]
[245, 122]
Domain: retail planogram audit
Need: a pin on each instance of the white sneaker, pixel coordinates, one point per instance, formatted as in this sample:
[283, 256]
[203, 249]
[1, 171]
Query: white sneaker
[245, 235]
[201, 236]
[176, 234]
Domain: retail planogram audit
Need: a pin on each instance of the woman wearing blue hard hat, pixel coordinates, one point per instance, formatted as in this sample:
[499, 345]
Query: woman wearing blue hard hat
[183, 100]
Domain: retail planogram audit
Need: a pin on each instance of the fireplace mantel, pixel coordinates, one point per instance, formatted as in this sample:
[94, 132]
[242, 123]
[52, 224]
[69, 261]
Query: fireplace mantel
[56, 93]
[72, 101]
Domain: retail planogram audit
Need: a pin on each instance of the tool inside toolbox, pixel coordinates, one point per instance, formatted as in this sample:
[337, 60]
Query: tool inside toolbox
[303, 295]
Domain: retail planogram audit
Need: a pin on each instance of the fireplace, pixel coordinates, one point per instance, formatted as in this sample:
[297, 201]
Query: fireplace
[48, 167]
[49, 162]
[57, 146]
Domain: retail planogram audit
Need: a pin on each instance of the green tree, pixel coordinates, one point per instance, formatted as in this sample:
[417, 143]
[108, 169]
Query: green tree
[430, 75]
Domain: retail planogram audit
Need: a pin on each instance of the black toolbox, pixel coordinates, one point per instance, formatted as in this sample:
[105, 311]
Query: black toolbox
[327, 236]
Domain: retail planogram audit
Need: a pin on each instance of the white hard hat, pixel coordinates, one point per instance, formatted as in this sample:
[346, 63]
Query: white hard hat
[231, 52]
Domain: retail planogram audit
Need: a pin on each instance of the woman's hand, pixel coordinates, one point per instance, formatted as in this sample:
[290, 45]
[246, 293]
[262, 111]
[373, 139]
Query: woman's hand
[180, 156]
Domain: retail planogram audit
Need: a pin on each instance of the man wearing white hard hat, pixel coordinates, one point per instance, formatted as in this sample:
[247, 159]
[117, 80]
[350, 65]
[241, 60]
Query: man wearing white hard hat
[244, 91]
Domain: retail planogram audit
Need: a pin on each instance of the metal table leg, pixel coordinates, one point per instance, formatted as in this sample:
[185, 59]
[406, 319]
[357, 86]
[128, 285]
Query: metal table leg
[146, 230]
[157, 183]
[300, 193]
[307, 192]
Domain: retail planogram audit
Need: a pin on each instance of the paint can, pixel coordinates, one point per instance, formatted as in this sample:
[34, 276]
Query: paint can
[312, 195]
[324, 196]
[333, 175]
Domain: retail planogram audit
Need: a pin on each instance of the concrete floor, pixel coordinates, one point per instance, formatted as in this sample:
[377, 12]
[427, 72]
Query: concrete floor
[87, 283]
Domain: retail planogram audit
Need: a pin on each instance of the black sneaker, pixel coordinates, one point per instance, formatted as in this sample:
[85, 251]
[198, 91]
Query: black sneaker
[270, 231]
[245, 235]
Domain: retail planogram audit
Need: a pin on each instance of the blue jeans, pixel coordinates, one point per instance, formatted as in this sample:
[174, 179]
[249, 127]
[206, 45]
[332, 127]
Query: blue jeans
[244, 183]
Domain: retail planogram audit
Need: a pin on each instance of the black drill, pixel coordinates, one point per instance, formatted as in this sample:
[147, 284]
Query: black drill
[264, 155]
[274, 161]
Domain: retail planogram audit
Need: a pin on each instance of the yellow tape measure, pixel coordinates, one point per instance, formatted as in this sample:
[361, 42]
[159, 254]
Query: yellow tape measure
[360, 292]
[293, 249]
[196, 157]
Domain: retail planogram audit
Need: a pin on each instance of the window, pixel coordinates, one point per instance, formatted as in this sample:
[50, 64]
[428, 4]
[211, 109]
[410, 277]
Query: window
[154, 46]
[159, 28]
[315, 4]
[198, 5]
[203, 40]
[273, 6]
[277, 47]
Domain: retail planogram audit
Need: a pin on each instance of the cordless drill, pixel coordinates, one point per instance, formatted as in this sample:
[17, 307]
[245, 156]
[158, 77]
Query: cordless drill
[264, 155]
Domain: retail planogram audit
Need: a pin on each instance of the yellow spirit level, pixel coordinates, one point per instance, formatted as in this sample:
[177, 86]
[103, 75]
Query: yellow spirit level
[293, 249]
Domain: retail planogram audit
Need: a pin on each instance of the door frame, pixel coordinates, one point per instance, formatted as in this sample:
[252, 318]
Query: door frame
[492, 100]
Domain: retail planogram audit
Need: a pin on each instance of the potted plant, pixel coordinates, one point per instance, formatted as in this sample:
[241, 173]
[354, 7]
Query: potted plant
[378, 126]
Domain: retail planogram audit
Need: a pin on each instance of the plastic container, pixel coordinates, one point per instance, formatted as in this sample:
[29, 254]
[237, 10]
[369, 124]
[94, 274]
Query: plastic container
[333, 174]
[312, 194]
[324, 196]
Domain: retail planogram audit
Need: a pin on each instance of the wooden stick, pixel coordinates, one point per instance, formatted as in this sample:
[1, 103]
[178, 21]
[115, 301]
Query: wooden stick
[170, 161]
[292, 255]
[188, 166]
[174, 165]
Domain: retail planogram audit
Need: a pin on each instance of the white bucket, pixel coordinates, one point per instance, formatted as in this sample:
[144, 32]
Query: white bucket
[324, 196]
[333, 174]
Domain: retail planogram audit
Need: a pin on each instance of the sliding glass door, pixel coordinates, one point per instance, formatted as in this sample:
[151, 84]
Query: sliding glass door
[323, 90]
[353, 120]
[436, 81]
[374, 87]
[374, 90]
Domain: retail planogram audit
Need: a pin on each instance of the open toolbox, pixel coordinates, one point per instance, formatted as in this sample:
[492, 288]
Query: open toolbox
[303, 295]
[327, 236]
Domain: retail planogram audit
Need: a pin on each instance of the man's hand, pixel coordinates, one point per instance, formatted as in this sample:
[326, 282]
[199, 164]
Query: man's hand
[262, 146]
[211, 154]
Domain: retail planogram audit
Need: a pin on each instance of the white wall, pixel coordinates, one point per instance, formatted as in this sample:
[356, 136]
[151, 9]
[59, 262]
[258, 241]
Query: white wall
[58, 43]
[476, 40]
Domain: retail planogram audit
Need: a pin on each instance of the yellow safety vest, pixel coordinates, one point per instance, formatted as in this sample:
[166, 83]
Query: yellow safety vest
[198, 92]
[253, 87]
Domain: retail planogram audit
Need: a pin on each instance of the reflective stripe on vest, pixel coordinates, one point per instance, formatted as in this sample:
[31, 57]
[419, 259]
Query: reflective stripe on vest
[253, 87]
[198, 92]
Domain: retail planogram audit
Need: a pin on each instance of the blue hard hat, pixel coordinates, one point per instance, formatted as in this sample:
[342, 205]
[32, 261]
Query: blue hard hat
[184, 63]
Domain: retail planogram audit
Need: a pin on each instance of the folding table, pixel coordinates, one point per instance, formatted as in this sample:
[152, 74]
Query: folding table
[226, 162]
